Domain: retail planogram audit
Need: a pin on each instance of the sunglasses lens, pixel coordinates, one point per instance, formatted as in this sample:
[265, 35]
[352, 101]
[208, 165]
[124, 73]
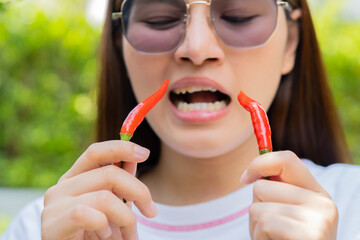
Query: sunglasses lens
[244, 23]
[157, 26]
[154, 26]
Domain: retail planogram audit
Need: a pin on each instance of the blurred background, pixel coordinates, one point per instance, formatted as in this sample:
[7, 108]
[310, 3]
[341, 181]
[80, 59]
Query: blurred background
[48, 71]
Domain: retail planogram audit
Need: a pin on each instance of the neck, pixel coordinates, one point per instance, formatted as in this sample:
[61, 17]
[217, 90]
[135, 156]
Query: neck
[183, 180]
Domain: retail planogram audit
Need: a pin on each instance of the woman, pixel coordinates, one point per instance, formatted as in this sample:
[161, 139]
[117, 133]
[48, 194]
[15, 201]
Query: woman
[204, 172]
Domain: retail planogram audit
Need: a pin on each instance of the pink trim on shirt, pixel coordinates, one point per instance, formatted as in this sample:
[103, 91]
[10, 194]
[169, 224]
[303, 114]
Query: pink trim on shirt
[191, 227]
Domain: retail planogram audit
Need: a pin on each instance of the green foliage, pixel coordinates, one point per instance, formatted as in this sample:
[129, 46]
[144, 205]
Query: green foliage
[3, 4]
[340, 44]
[48, 69]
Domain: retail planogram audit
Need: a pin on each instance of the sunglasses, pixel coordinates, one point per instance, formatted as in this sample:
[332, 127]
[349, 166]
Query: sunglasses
[159, 26]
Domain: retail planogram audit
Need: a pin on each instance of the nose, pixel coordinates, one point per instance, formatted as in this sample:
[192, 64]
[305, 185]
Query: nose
[201, 43]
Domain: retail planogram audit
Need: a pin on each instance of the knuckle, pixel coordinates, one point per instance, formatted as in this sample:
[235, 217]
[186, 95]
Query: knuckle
[126, 150]
[92, 150]
[78, 213]
[44, 214]
[287, 160]
[49, 195]
[257, 189]
[102, 222]
[328, 204]
[109, 173]
[144, 192]
[327, 218]
[104, 197]
[332, 211]
[129, 219]
[263, 221]
[253, 210]
[115, 149]
[288, 157]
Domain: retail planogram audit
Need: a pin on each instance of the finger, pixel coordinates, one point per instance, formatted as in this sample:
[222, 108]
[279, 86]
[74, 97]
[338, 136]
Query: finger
[111, 178]
[285, 166]
[116, 232]
[114, 209]
[278, 227]
[105, 202]
[128, 235]
[296, 212]
[103, 153]
[317, 223]
[130, 167]
[272, 191]
[74, 221]
[260, 213]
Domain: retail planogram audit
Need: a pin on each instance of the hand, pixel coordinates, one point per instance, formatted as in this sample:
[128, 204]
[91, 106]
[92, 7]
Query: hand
[292, 205]
[87, 202]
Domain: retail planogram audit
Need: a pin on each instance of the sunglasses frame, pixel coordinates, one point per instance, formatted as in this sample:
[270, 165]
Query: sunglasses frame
[116, 16]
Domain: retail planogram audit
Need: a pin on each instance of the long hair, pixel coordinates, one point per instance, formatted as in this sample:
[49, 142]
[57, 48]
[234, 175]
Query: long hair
[302, 116]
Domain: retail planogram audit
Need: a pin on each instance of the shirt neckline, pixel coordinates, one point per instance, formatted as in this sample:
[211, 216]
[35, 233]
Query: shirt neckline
[201, 215]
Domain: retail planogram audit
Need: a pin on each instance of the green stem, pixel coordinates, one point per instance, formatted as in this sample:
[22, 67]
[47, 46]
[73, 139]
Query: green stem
[263, 151]
[124, 137]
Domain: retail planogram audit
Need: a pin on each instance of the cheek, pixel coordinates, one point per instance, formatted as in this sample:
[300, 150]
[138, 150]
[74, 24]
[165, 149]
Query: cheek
[258, 70]
[146, 72]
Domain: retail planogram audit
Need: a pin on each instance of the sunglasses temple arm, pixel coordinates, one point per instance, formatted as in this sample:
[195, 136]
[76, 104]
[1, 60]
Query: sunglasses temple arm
[116, 15]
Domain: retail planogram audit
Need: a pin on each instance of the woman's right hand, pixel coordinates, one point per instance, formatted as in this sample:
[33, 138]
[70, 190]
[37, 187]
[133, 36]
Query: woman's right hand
[87, 202]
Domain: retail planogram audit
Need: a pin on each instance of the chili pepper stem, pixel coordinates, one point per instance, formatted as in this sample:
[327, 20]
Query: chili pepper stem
[265, 150]
[125, 136]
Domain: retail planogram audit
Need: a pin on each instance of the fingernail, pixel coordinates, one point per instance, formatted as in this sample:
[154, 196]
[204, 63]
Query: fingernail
[141, 152]
[244, 177]
[153, 209]
[107, 233]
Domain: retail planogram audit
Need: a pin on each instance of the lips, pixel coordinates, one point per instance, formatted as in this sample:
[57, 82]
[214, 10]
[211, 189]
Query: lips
[198, 99]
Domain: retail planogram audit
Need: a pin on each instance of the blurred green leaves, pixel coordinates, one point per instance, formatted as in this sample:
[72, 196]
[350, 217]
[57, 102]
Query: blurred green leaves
[48, 70]
[340, 43]
[47, 76]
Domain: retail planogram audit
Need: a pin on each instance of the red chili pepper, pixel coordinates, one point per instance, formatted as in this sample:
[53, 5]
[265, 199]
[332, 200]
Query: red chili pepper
[260, 122]
[137, 115]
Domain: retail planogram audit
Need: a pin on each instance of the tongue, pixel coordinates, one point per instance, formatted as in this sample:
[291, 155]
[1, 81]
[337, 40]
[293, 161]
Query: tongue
[204, 97]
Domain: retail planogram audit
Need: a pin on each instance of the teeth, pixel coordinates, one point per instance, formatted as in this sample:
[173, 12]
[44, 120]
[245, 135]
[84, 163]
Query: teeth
[216, 106]
[191, 89]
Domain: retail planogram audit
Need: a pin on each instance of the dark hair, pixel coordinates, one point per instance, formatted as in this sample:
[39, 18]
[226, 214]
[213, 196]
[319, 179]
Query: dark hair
[302, 116]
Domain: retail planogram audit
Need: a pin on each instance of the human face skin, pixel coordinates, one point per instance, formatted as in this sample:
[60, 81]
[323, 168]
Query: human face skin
[203, 60]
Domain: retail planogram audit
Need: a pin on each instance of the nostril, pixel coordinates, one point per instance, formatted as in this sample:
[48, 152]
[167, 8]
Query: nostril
[186, 59]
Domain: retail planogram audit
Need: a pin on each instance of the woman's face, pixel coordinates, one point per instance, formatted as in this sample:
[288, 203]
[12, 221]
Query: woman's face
[202, 66]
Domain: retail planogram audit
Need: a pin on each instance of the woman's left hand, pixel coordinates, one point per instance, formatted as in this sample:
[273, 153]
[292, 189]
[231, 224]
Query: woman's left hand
[292, 205]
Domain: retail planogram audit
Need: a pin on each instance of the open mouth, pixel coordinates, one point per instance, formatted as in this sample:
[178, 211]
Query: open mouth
[199, 98]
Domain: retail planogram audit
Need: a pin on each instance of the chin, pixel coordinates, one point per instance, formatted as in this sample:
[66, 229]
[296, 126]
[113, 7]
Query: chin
[207, 149]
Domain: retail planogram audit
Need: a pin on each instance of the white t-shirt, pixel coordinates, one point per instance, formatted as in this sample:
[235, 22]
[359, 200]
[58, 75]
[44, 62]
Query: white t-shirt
[225, 218]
